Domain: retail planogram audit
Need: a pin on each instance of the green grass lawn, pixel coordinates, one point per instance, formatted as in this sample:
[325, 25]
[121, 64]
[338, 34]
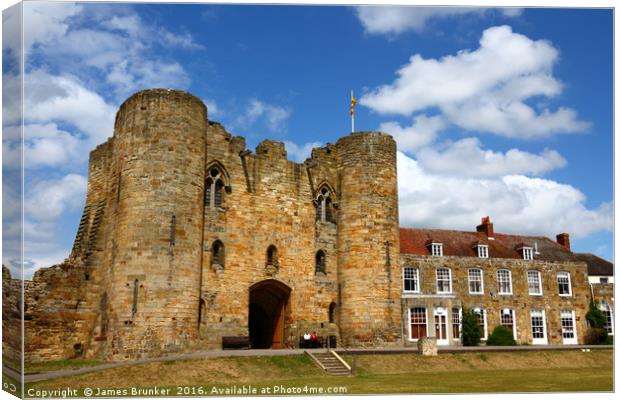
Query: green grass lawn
[379, 374]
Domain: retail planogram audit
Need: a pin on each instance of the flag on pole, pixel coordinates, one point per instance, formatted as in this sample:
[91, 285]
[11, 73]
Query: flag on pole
[353, 102]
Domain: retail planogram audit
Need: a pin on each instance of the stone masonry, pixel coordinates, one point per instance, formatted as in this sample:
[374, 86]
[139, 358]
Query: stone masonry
[187, 238]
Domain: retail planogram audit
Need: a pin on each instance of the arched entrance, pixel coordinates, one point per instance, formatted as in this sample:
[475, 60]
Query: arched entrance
[268, 308]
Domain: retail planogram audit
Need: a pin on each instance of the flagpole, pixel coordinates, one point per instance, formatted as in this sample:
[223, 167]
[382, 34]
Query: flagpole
[352, 113]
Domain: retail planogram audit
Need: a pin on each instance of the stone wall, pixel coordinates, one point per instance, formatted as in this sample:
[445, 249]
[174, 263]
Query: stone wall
[268, 201]
[142, 280]
[59, 313]
[520, 300]
[368, 239]
[11, 317]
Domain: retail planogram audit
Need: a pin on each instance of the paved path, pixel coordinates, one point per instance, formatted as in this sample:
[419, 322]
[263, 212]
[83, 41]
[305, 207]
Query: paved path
[283, 352]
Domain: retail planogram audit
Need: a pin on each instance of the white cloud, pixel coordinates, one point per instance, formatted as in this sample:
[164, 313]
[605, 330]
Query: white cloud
[47, 200]
[517, 204]
[274, 117]
[300, 153]
[212, 108]
[421, 133]
[63, 98]
[47, 22]
[466, 158]
[393, 20]
[484, 89]
[514, 119]
[120, 47]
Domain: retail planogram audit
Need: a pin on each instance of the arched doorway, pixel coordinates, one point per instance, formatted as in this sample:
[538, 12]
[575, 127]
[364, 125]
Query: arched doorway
[268, 308]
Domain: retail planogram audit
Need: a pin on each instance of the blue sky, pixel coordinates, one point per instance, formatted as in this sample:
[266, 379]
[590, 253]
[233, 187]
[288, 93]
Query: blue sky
[500, 112]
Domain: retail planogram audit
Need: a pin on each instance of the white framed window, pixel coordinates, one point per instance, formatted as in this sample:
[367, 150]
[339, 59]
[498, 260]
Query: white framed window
[609, 318]
[444, 280]
[564, 287]
[569, 332]
[603, 280]
[437, 249]
[539, 327]
[456, 323]
[481, 313]
[474, 277]
[507, 318]
[483, 251]
[534, 284]
[418, 327]
[504, 281]
[411, 280]
[527, 253]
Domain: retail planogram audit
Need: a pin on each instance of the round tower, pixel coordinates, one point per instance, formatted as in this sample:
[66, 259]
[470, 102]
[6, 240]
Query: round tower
[159, 168]
[368, 239]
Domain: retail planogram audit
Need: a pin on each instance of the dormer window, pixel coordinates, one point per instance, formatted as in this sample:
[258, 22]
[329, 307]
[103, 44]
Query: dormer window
[527, 252]
[483, 251]
[436, 248]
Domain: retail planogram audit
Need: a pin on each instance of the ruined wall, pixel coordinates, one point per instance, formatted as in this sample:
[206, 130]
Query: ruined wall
[59, 313]
[520, 300]
[11, 318]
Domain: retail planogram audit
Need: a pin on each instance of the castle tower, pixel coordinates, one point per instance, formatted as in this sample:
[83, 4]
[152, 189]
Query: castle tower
[368, 239]
[159, 162]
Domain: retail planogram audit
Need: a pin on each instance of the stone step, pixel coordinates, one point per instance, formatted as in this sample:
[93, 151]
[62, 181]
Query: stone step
[331, 364]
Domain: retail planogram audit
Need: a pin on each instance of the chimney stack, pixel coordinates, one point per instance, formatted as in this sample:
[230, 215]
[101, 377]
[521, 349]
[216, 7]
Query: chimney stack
[563, 240]
[486, 226]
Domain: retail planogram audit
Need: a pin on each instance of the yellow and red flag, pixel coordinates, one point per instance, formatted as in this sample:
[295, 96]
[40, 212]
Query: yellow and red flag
[353, 103]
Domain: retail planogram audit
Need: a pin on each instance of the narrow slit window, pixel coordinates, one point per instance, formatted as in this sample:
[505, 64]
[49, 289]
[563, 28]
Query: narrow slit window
[320, 262]
[217, 253]
[134, 308]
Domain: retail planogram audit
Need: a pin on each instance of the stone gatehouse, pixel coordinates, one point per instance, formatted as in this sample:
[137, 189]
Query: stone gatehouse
[187, 237]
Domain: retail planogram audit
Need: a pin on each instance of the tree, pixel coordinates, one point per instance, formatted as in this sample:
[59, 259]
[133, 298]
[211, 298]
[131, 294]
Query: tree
[470, 331]
[595, 316]
[596, 334]
[501, 336]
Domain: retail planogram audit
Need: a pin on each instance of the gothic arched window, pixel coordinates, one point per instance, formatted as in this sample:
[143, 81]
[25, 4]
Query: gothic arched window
[325, 206]
[214, 187]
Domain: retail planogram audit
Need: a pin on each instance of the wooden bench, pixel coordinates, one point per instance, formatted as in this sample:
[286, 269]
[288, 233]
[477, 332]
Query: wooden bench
[236, 342]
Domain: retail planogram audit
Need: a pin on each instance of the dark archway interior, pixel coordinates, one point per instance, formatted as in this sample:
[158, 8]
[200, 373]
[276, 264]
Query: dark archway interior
[268, 302]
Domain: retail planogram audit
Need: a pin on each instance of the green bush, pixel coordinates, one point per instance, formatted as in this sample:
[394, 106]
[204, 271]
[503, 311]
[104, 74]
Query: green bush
[597, 336]
[470, 331]
[501, 336]
[595, 316]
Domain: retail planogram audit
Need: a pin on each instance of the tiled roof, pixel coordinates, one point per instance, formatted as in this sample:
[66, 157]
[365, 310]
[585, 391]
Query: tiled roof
[596, 265]
[459, 243]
